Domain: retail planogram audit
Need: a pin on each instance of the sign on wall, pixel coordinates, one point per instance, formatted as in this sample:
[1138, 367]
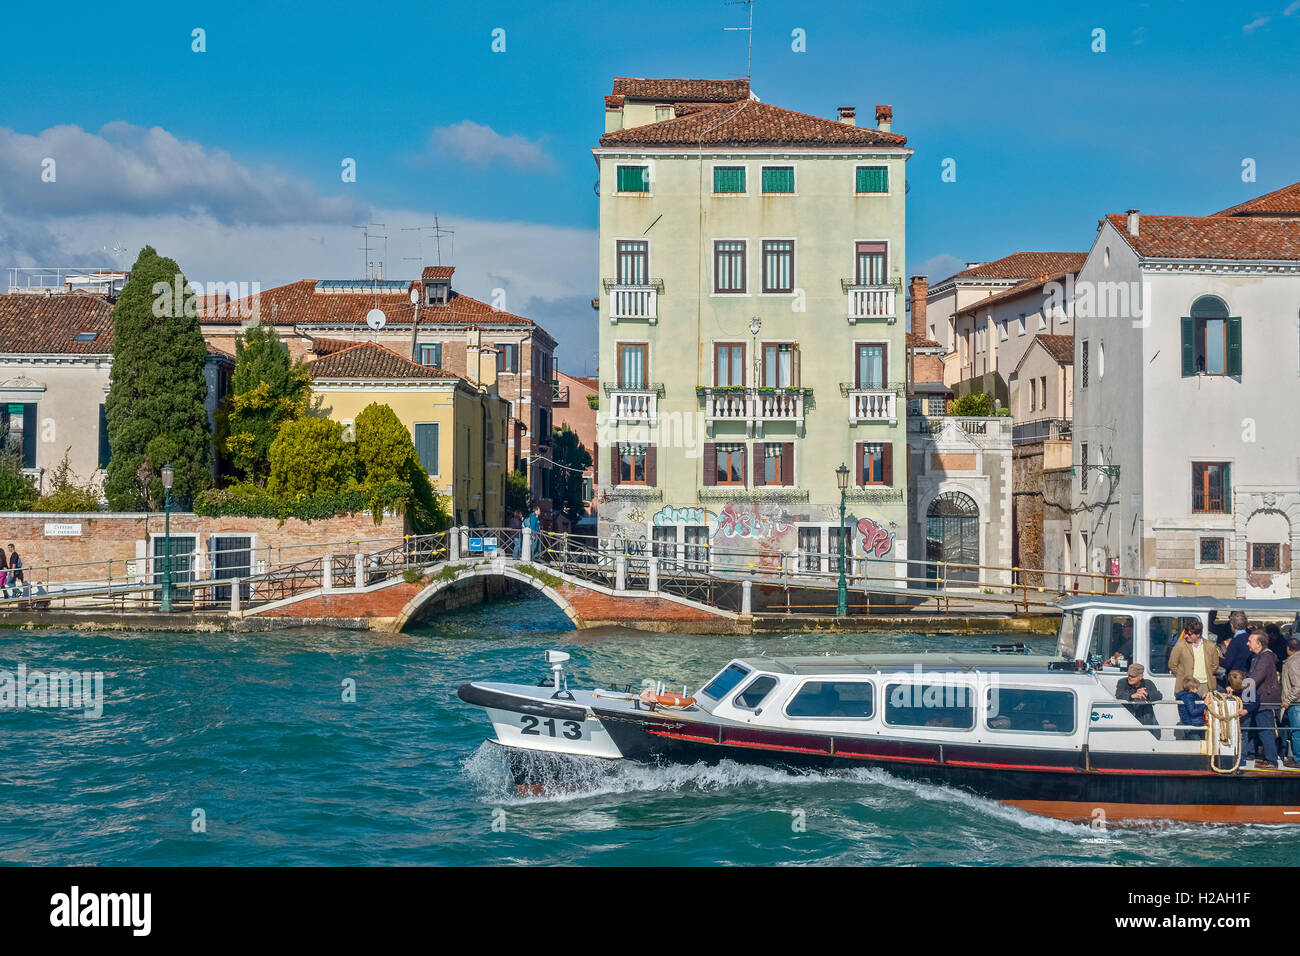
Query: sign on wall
[54, 529]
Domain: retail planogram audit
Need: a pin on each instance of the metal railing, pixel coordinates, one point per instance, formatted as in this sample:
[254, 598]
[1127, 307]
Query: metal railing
[1045, 429]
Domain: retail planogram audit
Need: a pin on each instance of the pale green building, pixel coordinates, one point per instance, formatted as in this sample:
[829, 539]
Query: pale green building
[752, 328]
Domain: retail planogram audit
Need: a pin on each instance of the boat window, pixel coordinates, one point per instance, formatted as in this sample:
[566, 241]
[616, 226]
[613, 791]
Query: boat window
[1031, 711]
[1112, 641]
[753, 695]
[821, 698]
[1164, 631]
[725, 682]
[1067, 638]
[947, 705]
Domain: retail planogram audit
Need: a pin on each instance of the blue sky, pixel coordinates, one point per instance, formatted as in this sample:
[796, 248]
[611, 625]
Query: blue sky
[230, 159]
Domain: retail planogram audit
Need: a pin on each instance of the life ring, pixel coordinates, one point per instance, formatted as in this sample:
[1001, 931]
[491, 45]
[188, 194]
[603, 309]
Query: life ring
[667, 700]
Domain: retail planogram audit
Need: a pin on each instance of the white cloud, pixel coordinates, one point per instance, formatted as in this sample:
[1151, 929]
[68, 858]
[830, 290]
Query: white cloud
[481, 145]
[1292, 10]
[939, 267]
[1256, 24]
[131, 169]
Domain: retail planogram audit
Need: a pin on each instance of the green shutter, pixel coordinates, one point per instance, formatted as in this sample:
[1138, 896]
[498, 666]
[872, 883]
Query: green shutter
[426, 446]
[778, 179]
[728, 179]
[1227, 488]
[1189, 346]
[1234, 346]
[634, 179]
[873, 179]
[103, 437]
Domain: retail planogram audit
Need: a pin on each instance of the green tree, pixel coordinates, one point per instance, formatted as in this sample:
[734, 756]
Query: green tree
[568, 452]
[309, 456]
[518, 497]
[385, 453]
[17, 493]
[974, 405]
[66, 493]
[266, 390]
[157, 390]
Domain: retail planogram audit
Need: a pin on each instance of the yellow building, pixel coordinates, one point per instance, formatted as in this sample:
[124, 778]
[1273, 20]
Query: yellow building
[458, 428]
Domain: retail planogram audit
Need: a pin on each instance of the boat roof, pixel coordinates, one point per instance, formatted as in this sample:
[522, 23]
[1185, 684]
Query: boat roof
[831, 664]
[1282, 607]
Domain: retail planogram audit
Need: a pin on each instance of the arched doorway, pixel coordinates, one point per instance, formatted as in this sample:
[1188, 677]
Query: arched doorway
[952, 529]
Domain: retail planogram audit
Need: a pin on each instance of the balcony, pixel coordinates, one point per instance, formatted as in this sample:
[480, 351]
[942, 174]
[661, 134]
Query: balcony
[559, 393]
[1045, 429]
[755, 407]
[637, 302]
[871, 405]
[634, 406]
[871, 302]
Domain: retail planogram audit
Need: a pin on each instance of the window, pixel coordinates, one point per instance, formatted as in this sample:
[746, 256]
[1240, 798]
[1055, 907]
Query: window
[1112, 641]
[633, 361]
[1083, 465]
[780, 365]
[543, 433]
[633, 179]
[1211, 550]
[1162, 634]
[86, 336]
[1033, 394]
[633, 262]
[632, 461]
[1083, 361]
[18, 430]
[1266, 557]
[950, 706]
[872, 179]
[753, 695]
[431, 354]
[936, 405]
[663, 112]
[728, 364]
[426, 446]
[1211, 339]
[725, 682]
[586, 488]
[507, 356]
[1030, 711]
[778, 265]
[1002, 330]
[875, 463]
[776, 464]
[855, 699]
[664, 543]
[869, 366]
[103, 436]
[730, 464]
[833, 549]
[728, 179]
[810, 547]
[1022, 324]
[697, 547]
[1042, 391]
[1210, 487]
[871, 263]
[436, 293]
[778, 179]
[729, 265]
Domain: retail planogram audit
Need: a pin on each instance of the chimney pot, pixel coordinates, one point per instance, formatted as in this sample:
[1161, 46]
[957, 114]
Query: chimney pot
[849, 115]
[1132, 222]
[884, 116]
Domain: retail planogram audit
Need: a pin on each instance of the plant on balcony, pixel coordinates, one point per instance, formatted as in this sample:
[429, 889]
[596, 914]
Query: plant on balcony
[721, 389]
[974, 405]
[593, 402]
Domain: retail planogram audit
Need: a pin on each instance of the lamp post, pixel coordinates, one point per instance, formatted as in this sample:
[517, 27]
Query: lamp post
[167, 477]
[842, 477]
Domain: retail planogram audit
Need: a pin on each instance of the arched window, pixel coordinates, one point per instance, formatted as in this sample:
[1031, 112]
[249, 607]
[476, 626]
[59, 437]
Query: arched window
[952, 536]
[1211, 339]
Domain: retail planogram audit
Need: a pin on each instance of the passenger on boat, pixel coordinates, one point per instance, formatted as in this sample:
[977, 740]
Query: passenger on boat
[1135, 687]
[1194, 656]
[1262, 719]
[1276, 643]
[1191, 709]
[1123, 644]
[1236, 656]
[1291, 699]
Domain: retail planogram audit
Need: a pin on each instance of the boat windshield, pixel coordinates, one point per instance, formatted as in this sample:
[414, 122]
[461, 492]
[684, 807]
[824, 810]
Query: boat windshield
[721, 685]
[1067, 639]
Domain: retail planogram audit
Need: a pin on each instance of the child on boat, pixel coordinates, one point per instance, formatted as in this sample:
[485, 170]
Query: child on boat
[1191, 710]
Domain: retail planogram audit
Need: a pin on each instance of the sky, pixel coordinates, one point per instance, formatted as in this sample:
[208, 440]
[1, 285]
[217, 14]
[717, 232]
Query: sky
[230, 159]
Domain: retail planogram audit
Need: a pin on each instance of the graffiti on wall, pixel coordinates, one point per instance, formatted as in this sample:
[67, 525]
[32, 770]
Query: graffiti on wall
[753, 521]
[876, 538]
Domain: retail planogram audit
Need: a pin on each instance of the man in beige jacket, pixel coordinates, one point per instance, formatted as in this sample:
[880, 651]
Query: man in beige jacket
[1193, 656]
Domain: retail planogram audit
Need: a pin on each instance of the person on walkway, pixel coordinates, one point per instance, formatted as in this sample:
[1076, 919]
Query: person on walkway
[16, 579]
[1262, 720]
[534, 525]
[1291, 699]
[516, 524]
[4, 575]
[1142, 693]
[1193, 656]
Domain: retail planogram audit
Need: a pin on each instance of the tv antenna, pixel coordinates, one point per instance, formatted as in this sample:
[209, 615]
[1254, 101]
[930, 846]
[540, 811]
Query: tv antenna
[438, 233]
[371, 273]
[749, 54]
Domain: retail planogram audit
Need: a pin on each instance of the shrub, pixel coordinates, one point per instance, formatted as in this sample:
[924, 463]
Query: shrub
[17, 493]
[66, 494]
[974, 405]
[385, 455]
[309, 457]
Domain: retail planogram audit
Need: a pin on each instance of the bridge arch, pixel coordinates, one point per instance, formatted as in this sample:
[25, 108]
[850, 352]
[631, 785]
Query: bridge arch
[413, 607]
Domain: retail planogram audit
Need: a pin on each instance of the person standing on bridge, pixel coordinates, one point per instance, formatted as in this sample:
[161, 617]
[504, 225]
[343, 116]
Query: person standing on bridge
[15, 571]
[534, 526]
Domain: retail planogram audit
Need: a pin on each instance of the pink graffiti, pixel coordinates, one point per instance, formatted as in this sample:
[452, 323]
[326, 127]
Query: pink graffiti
[748, 522]
[875, 538]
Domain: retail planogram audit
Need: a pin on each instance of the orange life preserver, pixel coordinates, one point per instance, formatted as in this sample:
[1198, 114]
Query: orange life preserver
[667, 700]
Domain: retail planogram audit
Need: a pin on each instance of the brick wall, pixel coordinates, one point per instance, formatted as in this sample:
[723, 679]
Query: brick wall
[1027, 496]
[927, 368]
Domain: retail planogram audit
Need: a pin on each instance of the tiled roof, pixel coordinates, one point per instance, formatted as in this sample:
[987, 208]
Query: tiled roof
[750, 123]
[1016, 291]
[1212, 237]
[1059, 347]
[39, 324]
[373, 363]
[219, 353]
[298, 303]
[437, 272]
[1025, 265]
[917, 342]
[321, 345]
[672, 90]
[1280, 202]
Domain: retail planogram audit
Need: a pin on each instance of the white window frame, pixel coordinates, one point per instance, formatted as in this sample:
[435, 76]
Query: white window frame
[1224, 535]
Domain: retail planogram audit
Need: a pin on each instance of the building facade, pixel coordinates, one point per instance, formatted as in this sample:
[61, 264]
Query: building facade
[751, 342]
[576, 400]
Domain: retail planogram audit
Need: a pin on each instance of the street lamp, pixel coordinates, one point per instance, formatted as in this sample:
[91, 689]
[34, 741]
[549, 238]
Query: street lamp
[842, 477]
[168, 475]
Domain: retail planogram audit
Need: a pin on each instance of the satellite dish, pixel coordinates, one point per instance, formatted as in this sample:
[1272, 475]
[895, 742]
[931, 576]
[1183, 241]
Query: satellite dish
[375, 318]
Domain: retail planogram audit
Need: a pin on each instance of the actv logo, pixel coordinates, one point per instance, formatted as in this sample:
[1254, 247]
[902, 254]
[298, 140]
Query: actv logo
[75, 909]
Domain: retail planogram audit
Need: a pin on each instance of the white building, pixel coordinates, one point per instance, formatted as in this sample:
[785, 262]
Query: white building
[1187, 386]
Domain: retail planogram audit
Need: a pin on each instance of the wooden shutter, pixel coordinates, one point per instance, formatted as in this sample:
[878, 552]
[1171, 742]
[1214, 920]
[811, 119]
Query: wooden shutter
[650, 461]
[787, 463]
[103, 437]
[887, 451]
[760, 463]
[710, 464]
[884, 365]
[613, 464]
[1189, 346]
[859, 456]
[1234, 346]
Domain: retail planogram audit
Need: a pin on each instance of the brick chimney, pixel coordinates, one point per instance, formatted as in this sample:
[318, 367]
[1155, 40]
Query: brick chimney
[884, 115]
[918, 290]
[849, 115]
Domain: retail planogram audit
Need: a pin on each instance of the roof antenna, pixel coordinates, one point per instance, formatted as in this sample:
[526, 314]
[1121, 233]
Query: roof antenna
[438, 232]
[749, 55]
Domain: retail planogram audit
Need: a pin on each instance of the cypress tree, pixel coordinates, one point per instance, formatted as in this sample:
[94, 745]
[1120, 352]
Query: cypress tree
[157, 390]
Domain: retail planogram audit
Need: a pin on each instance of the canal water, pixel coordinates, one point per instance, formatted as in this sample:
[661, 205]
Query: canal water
[220, 749]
